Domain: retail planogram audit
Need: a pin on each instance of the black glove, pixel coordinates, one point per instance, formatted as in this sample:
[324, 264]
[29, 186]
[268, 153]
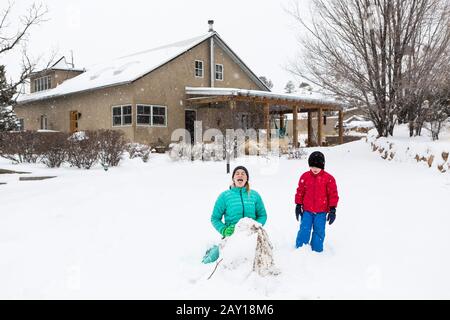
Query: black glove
[331, 215]
[299, 211]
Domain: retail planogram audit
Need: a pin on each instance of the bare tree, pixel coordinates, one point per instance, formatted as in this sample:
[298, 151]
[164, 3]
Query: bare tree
[371, 52]
[13, 36]
[427, 68]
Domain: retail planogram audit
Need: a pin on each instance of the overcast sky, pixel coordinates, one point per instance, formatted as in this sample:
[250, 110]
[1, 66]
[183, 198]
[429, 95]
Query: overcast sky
[259, 31]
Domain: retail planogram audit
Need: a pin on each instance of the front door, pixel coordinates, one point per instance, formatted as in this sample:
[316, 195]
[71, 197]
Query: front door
[190, 118]
[73, 121]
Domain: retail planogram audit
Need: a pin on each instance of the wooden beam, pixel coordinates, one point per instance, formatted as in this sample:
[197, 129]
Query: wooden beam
[295, 126]
[341, 127]
[262, 101]
[206, 100]
[319, 127]
[310, 129]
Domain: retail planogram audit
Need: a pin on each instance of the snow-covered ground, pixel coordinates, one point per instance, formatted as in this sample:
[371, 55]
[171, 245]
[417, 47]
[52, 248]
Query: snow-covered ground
[140, 231]
[420, 149]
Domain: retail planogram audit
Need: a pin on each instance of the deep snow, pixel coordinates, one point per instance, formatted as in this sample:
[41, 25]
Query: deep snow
[140, 231]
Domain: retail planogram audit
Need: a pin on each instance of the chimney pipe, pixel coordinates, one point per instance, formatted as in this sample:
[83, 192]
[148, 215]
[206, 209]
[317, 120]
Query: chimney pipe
[211, 24]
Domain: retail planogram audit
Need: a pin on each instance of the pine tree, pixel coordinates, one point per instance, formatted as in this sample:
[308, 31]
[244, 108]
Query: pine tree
[8, 119]
[267, 82]
[290, 87]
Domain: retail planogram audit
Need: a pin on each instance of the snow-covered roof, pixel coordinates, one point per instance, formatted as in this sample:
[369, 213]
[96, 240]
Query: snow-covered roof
[307, 98]
[355, 118]
[129, 68]
[120, 71]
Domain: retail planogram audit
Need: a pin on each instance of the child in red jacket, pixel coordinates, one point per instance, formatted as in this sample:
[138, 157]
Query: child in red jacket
[316, 197]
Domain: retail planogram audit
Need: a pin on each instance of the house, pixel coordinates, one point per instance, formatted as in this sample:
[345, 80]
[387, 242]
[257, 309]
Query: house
[357, 123]
[150, 94]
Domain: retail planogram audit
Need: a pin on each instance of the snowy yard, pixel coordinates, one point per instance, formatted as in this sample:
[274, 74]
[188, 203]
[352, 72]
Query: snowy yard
[140, 231]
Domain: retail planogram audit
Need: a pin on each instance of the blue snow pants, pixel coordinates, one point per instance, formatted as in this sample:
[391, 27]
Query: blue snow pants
[316, 222]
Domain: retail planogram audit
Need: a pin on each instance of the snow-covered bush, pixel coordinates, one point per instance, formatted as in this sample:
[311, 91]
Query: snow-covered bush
[112, 145]
[198, 151]
[56, 149]
[21, 147]
[139, 150]
[213, 152]
[180, 151]
[83, 151]
[296, 153]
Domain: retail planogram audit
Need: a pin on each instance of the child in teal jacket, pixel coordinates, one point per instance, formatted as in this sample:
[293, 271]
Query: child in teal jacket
[233, 205]
[237, 203]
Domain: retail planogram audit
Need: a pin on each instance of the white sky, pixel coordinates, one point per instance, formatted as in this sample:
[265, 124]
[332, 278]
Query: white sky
[259, 31]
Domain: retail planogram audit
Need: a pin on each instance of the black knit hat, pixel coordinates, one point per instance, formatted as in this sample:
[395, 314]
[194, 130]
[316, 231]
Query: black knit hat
[317, 160]
[241, 168]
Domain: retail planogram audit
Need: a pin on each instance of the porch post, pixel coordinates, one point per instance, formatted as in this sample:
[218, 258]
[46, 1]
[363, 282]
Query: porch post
[281, 120]
[232, 105]
[341, 127]
[310, 129]
[267, 122]
[319, 127]
[294, 126]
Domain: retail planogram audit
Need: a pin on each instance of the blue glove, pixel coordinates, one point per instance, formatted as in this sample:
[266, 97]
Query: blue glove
[211, 255]
[331, 215]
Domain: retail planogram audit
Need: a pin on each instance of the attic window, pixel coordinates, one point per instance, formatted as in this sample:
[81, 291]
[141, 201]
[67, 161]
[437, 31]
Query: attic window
[43, 83]
[198, 69]
[219, 72]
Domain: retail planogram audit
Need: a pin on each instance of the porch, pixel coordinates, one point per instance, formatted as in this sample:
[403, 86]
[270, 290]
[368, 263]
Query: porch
[275, 106]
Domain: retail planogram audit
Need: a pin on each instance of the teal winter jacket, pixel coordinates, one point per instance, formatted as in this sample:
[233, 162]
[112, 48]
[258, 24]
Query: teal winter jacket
[235, 204]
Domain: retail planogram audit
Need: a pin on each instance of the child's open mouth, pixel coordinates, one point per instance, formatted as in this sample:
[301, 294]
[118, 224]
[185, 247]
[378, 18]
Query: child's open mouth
[240, 180]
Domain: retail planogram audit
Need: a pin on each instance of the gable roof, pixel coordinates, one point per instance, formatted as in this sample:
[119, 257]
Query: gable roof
[127, 69]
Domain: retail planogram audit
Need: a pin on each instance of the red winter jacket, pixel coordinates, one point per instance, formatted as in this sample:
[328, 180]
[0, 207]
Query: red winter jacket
[317, 193]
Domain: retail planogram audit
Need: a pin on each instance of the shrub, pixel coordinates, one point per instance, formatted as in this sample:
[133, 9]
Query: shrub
[111, 144]
[56, 149]
[139, 150]
[21, 147]
[83, 150]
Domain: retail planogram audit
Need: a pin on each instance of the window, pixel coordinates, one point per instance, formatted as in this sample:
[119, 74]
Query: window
[198, 69]
[44, 122]
[117, 116]
[43, 83]
[122, 116]
[143, 115]
[127, 115]
[219, 72]
[159, 116]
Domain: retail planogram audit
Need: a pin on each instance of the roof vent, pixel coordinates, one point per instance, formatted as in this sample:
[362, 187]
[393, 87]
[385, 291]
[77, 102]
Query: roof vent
[211, 24]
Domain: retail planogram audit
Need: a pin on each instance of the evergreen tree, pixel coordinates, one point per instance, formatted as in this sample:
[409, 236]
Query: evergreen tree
[267, 82]
[290, 87]
[8, 119]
